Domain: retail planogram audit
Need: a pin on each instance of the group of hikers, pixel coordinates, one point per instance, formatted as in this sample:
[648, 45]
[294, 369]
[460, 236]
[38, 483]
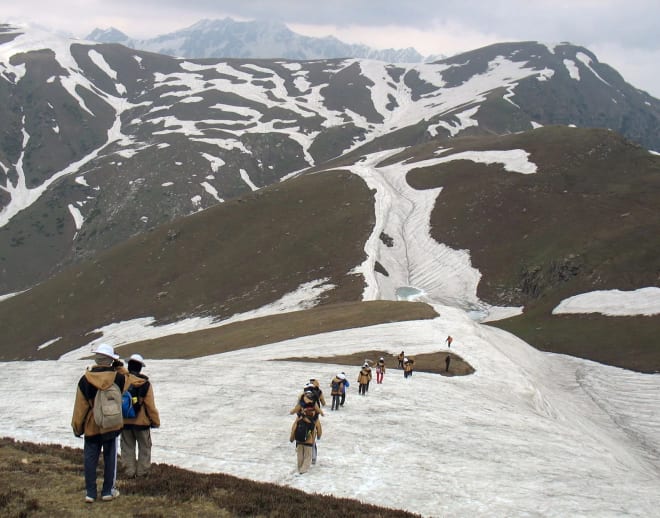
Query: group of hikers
[307, 430]
[113, 403]
[116, 403]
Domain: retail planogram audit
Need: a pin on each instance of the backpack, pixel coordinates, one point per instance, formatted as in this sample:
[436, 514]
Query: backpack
[335, 386]
[107, 408]
[303, 430]
[131, 400]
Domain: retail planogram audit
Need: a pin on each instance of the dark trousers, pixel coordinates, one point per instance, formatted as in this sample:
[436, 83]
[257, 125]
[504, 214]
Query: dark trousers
[92, 452]
[362, 389]
[336, 398]
[343, 398]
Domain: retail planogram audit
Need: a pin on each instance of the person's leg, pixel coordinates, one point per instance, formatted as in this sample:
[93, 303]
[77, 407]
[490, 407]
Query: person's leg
[144, 452]
[91, 452]
[300, 453]
[315, 453]
[128, 462]
[307, 458]
[109, 464]
[343, 399]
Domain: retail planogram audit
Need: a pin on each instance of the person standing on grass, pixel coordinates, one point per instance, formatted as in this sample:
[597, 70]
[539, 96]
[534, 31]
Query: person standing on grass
[100, 376]
[137, 430]
[305, 431]
[380, 370]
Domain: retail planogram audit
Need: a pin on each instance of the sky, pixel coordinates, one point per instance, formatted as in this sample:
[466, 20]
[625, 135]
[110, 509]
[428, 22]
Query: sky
[623, 34]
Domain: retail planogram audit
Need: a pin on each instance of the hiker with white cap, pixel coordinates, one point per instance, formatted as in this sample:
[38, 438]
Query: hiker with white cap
[364, 377]
[95, 418]
[137, 430]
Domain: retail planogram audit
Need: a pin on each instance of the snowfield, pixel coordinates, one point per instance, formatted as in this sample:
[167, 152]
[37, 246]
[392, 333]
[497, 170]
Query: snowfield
[528, 434]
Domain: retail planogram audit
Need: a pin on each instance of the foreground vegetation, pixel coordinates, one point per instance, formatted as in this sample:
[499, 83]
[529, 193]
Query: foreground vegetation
[38, 480]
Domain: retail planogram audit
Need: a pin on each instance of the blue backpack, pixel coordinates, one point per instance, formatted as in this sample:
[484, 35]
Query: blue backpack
[131, 401]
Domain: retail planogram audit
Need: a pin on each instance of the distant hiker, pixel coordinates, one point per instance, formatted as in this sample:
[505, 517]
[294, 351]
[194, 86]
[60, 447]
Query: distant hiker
[380, 370]
[317, 391]
[447, 362]
[408, 364]
[137, 430]
[401, 357]
[307, 399]
[364, 377]
[305, 431]
[449, 340]
[366, 366]
[100, 377]
[337, 389]
[344, 386]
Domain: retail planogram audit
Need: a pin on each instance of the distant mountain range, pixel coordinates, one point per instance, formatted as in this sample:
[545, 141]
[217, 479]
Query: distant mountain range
[228, 38]
[136, 185]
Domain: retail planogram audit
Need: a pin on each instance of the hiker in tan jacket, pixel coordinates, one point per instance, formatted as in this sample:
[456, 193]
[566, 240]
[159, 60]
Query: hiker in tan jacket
[98, 377]
[137, 430]
[310, 426]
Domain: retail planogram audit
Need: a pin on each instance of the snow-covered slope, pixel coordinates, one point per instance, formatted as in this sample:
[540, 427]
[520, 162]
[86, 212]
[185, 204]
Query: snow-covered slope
[228, 38]
[529, 434]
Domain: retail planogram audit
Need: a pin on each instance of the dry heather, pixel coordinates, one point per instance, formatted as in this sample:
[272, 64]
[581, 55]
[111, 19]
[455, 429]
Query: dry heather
[39, 480]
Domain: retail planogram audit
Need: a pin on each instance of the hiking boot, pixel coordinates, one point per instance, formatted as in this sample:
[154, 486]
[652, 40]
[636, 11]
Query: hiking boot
[89, 500]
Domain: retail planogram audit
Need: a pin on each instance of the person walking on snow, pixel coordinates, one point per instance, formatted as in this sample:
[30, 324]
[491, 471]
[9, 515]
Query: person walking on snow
[307, 399]
[401, 357]
[364, 377]
[98, 377]
[344, 386]
[305, 431]
[380, 370]
[137, 430]
[408, 365]
[449, 340]
[336, 386]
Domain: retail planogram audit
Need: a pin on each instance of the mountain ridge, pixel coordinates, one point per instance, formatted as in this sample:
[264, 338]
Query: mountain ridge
[257, 39]
[116, 148]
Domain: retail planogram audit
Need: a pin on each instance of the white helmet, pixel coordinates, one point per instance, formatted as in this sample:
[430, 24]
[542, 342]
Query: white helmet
[106, 350]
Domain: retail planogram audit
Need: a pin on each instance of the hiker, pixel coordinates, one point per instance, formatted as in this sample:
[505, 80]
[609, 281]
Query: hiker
[336, 387]
[449, 340]
[305, 431]
[100, 376]
[408, 364]
[307, 398]
[380, 370]
[401, 357]
[317, 391]
[137, 430]
[364, 376]
[447, 362]
[344, 386]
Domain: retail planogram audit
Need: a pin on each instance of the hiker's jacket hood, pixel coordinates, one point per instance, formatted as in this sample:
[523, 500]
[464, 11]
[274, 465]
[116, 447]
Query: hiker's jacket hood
[147, 415]
[95, 378]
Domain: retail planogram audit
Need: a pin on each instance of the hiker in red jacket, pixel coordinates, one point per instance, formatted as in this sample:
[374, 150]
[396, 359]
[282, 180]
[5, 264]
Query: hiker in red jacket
[380, 370]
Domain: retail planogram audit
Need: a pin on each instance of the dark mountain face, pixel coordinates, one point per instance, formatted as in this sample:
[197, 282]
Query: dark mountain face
[108, 154]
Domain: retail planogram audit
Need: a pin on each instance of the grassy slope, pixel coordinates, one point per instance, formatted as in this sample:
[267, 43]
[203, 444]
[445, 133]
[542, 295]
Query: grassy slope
[585, 221]
[229, 259]
[40, 480]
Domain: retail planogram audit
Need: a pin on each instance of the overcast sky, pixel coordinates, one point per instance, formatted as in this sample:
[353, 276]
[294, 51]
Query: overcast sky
[622, 33]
